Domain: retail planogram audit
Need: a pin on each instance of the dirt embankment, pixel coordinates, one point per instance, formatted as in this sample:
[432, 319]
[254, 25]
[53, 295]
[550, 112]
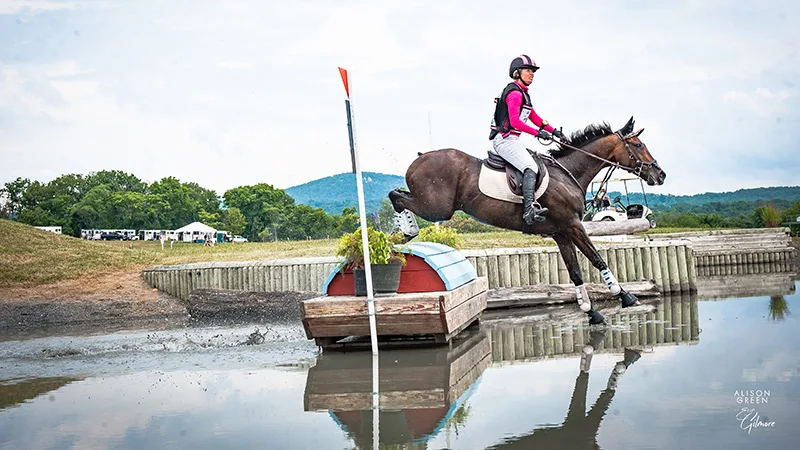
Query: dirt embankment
[105, 300]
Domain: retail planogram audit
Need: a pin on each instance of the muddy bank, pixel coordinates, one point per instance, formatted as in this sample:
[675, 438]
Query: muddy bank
[35, 317]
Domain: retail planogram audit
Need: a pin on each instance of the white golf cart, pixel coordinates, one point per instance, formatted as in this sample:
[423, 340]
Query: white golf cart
[600, 208]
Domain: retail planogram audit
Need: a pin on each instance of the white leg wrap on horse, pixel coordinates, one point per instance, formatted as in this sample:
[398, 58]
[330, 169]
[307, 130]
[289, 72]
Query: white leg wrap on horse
[611, 282]
[583, 298]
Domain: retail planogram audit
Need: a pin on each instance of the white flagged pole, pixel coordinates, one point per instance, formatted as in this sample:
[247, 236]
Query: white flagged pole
[351, 128]
[367, 265]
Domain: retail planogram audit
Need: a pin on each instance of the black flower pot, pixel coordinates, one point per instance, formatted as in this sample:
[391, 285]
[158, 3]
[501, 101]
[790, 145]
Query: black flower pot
[385, 279]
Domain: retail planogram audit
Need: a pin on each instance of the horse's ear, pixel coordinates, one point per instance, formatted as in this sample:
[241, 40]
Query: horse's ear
[628, 127]
[636, 134]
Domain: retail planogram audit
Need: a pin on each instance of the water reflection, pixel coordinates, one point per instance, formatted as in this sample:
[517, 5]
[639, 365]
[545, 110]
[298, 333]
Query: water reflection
[579, 428]
[422, 391]
[13, 392]
[673, 320]
[725, 282]
[778, 308]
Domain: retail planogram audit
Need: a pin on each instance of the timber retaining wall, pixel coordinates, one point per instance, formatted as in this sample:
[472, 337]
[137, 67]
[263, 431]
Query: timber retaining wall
[667, 262]
[738, 247]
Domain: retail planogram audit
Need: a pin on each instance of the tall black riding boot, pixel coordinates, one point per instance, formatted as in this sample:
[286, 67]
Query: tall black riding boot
[533, 210]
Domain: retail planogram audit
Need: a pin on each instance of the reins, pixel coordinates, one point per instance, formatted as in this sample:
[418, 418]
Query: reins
[640, 165]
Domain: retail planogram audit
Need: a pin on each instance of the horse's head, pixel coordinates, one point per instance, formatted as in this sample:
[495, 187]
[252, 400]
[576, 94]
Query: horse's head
[633, 154]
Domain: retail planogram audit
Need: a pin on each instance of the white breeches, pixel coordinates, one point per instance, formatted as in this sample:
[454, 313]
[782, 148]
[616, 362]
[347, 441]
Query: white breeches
[515, 152]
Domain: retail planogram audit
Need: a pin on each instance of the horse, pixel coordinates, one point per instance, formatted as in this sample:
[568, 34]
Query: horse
[443, 181]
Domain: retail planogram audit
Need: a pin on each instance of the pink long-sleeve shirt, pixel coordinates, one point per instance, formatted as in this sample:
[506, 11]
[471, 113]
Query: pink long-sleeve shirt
[514, 101]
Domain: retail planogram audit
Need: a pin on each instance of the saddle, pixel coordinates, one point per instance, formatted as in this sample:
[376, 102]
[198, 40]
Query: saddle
[514, 175]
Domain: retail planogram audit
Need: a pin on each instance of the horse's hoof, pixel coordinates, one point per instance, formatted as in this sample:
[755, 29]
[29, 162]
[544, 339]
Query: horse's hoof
[595, 318]
[628, 299]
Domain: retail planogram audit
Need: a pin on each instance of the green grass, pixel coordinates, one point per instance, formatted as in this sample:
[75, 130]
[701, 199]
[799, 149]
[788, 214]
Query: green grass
[30, 257]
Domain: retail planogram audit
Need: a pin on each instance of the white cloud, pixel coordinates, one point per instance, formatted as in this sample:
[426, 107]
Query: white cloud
[761, 101]
[34, 6]
[235, 65]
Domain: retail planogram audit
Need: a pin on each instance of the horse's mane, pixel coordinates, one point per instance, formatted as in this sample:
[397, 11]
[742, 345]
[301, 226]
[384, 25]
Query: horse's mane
[582, 137]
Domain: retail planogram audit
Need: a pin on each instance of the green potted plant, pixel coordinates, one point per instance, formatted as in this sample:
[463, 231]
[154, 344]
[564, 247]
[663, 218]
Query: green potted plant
[386, 261]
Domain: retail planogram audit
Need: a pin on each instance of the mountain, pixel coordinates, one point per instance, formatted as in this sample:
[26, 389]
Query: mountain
[337, 192]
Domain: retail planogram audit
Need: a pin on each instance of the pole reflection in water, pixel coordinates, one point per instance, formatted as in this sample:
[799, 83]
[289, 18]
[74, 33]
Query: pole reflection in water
[376, 416]
[420, 390]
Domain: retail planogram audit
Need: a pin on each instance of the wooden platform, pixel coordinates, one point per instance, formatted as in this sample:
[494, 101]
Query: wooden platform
[410, 318]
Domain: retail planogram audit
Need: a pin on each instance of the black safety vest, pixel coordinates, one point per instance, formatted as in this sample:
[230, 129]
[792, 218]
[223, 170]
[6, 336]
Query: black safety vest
[501, 122]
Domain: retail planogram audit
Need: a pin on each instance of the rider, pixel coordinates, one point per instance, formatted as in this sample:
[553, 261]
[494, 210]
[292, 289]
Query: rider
[512, 109]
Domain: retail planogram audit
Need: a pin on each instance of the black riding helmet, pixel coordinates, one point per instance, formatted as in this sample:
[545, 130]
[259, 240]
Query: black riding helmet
[522, 62]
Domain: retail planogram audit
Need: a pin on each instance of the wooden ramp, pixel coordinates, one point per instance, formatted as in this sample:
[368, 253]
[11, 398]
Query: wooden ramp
[401, 319]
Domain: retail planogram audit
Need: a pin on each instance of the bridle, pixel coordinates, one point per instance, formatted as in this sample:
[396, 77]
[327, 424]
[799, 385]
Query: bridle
[637, 169]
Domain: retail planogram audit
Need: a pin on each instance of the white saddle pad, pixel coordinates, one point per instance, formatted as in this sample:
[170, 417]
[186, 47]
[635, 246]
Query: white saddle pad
[492, 183]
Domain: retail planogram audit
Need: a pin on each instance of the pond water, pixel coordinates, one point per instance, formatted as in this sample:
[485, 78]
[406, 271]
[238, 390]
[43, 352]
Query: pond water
[695, 371]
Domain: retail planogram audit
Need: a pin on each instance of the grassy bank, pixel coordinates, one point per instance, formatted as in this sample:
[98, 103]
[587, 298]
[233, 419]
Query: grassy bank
[31, 257]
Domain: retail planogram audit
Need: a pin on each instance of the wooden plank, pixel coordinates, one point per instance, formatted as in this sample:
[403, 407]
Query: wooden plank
[386, 325]
[357, 306]
[451, 299]
[462, 313]
[561, 293]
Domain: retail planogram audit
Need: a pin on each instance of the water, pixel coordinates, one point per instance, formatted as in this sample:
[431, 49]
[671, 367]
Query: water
[669, 376]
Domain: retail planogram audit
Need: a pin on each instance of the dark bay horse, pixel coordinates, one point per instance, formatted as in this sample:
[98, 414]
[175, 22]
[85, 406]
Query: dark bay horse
[443, 181]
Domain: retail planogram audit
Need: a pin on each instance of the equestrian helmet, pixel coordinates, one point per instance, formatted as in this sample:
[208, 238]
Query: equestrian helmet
[522, 62]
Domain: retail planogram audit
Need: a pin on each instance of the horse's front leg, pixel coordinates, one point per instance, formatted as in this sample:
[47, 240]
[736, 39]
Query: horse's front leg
[586, 247]
[570, 257]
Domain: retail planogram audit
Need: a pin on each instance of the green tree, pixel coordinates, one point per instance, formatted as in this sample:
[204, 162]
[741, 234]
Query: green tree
[181, 207]
[94, 209]
[348, 221]
[115, 180]
[13, 192]
[234, 221]
[263, 207]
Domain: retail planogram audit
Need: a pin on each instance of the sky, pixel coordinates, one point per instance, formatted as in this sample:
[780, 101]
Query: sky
[236, 93]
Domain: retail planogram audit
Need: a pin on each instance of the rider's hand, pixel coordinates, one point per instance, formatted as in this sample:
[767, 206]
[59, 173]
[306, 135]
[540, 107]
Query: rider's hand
[544, 134]
[557, 133]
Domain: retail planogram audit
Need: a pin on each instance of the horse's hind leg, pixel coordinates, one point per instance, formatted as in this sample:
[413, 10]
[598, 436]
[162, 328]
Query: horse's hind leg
[570, 257]
[586, 247]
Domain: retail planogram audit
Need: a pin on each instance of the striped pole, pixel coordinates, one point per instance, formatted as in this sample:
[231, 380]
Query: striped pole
[367, 265]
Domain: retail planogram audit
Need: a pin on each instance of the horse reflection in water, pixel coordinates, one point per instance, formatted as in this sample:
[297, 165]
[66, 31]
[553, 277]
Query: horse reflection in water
[444, 181]
[579, 430]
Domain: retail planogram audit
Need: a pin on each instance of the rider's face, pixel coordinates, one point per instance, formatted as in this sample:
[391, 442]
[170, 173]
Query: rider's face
[526, 75]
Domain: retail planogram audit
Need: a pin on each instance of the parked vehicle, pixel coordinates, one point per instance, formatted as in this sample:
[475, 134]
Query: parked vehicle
[112, 236]
[597, 210]
[237, 239]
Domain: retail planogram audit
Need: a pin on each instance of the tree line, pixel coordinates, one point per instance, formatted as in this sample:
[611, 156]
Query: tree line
[112, 199]
[117, 200]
